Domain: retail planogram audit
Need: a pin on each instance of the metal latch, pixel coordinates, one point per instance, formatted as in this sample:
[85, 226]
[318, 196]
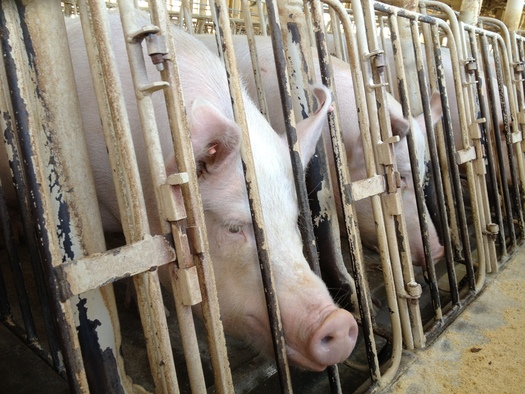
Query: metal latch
[157, 49]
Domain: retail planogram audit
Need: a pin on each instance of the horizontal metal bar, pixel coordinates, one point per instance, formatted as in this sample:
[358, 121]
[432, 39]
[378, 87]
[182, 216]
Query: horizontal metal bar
[99, 269]
[368, 187]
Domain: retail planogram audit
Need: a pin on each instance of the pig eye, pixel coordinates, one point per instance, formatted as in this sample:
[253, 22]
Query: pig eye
[234, 228]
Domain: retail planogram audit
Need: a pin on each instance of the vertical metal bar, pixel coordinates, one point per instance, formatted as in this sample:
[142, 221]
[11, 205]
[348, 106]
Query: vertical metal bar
[475, 170]
[6, 124]
[492, 135]
[365, 124]
[67, 216]
[508, 107]
[195, 216]
[412, 325]
[253, 191]
[11, 50]
[128, 186]
[250, 36]
[287, 43]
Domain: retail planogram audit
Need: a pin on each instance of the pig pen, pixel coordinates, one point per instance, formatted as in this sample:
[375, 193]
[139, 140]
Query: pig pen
[477, 175]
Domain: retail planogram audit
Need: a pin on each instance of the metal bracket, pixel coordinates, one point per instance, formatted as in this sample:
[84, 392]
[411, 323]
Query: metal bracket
[170, 194]
[186, 286]
[157, 49]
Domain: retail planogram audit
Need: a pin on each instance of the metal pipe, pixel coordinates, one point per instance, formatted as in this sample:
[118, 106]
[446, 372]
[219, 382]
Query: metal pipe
[469, 11]
[194, 218]
[512, 15]
[253, 191]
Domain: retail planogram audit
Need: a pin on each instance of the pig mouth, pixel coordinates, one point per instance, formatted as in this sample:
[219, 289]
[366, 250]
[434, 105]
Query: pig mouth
[302, 361]
[298, 358]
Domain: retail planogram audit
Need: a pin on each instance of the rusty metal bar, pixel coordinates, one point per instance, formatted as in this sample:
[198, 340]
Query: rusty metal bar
[224, 32]
[509, 108]
[127, 184]
[26, 120]
[351, 224]
[91, 272]
[193, 219]
[7, 229]
[13, 122]
[494, 152]
[474, 170]
[250, 36]
[293, 44]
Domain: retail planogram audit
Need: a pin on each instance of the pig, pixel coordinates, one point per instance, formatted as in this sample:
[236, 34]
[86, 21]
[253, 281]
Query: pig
[453, 103]
[351, 137]
[317, 332]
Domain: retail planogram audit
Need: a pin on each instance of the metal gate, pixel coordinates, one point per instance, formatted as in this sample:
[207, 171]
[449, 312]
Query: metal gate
[408, 175]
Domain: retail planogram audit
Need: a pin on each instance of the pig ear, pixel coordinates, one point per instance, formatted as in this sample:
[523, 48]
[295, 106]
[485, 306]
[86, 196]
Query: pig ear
[309, 129]
[400, 124]
[436, 111]
[435, 107]
[214, 137]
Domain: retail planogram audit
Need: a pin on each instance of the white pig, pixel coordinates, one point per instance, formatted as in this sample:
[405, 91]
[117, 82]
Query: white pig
[318, 333]
[351, 136]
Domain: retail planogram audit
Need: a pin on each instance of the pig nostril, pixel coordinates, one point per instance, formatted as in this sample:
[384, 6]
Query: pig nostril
[326, 340]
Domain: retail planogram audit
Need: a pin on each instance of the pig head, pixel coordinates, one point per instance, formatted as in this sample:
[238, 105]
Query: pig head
[317, 332]
[352, 138]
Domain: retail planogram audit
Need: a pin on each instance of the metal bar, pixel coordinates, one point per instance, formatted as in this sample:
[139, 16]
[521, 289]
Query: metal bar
[7, 230]
[91, 272]
[128, 186]
[194, 219]
[250, 36]
[287, 43]
[8, 21]
[508, 107]
[493, 136]
[350, 222]
[253, 190]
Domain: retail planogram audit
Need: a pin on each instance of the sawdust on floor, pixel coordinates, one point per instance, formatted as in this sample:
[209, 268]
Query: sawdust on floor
[483, 351]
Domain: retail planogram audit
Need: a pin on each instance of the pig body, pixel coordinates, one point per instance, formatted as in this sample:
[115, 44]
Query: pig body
[317, 332]
[351, 137]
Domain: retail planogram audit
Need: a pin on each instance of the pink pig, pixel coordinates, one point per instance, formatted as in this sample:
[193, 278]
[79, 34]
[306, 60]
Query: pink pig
[352, 138]
[317, 332]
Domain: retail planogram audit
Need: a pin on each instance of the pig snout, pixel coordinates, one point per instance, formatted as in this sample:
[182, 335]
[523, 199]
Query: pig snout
[328, 341]
[334, 339]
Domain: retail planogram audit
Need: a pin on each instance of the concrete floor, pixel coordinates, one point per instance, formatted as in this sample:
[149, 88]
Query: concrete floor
[23, 372]
[481, 352]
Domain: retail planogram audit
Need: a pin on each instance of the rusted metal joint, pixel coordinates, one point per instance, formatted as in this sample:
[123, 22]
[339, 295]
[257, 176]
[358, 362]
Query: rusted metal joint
[172, 201]
[413, 291]
[492, 230]
[378, 59]
[393, 179]
[379, 62]
[187, 287]
[470, 65]
[155, 43]
[157, 49]
[519, 67]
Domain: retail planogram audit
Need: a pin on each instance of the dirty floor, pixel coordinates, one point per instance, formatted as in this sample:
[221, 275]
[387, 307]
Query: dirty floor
[483, 351]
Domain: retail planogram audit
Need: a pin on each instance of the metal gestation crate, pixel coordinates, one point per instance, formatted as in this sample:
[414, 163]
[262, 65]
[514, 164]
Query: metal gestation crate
[65, 279]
